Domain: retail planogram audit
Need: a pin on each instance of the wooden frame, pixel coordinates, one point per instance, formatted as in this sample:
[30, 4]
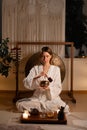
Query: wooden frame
[70, 93]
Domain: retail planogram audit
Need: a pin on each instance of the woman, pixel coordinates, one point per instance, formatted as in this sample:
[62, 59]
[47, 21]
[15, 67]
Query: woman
[44, 98]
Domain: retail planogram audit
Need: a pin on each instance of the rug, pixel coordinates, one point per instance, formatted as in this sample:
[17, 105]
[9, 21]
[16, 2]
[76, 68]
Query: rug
[19, 127]
[11, 121]
[80, 123]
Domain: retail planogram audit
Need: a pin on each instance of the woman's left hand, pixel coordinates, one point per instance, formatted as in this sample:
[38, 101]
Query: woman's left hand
[46, 88]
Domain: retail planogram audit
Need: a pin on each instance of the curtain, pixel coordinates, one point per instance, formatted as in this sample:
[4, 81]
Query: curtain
[34, 20]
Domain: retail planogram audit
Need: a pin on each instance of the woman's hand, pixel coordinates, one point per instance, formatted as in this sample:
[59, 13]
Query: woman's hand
[45, 88]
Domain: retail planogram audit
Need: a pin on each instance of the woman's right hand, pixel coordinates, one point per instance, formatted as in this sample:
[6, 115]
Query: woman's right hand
[41, 74]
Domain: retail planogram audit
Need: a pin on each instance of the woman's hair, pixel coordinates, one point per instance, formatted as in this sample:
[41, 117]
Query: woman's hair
[47, 49]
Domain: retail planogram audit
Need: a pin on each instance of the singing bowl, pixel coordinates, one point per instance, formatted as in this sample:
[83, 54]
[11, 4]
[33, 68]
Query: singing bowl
[44, 83]
[35, 60]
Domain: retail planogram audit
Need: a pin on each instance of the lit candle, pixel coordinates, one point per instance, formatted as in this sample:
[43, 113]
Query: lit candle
[58, 111]
[25, 114]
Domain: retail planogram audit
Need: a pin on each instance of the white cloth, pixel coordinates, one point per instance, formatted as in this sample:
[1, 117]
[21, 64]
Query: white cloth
[40, 98]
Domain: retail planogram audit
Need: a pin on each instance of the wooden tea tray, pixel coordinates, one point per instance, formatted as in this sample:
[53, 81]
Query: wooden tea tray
[37, 119]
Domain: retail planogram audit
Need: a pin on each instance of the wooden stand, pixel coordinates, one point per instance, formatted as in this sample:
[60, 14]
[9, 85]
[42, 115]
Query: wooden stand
[70, 93]
[15, 52]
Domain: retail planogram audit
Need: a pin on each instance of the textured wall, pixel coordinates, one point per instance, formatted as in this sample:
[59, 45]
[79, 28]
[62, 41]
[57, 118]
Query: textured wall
[32, 20]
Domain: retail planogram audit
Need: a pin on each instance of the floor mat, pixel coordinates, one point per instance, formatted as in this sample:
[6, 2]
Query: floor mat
[75, 121]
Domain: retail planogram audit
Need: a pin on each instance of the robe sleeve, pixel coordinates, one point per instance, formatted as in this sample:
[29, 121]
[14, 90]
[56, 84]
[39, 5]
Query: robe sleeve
[56, 86]
[29, 81]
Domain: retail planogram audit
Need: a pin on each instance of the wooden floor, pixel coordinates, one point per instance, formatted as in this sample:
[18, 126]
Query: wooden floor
[6, 101]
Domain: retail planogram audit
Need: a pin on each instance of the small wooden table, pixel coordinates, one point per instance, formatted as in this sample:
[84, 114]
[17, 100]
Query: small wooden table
[38, 119]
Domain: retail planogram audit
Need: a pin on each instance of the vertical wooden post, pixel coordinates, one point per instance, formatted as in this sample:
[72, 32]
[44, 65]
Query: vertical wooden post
[17, 56]
[71, 80]
[71, 67]
[17, 74]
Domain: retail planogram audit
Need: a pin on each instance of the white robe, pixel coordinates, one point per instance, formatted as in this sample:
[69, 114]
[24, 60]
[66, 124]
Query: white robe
[42, 99]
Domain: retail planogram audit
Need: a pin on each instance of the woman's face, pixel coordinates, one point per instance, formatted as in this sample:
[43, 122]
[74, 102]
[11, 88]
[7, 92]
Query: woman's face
[46, 57]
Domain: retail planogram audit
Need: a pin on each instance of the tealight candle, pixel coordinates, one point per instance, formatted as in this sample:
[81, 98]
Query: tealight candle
[25, 114]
